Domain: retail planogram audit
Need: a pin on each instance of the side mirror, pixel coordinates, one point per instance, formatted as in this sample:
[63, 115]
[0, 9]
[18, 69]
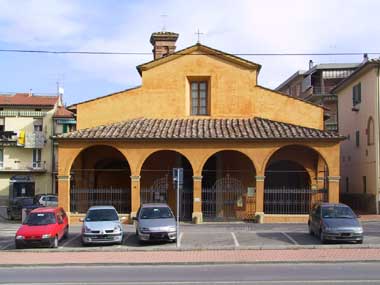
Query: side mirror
[81, 219]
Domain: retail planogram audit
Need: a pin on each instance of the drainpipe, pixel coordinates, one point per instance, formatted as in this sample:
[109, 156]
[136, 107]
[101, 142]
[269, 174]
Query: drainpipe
[377, 138]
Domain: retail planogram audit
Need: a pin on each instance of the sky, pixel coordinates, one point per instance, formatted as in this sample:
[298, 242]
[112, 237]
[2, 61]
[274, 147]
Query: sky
[237, 26]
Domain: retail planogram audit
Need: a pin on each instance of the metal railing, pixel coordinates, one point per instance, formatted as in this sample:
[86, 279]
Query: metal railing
[13, 113]
[81, 199]
[292, 201]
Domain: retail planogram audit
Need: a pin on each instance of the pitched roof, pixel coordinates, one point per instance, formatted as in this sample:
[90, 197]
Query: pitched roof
[26, 99]
[201, 129]
[205, 50]
[62, 112]
[359, 70]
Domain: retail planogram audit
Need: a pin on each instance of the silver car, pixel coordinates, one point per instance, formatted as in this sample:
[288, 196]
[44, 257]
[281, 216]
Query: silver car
[102, 225]
[155, 222]
[335, 222]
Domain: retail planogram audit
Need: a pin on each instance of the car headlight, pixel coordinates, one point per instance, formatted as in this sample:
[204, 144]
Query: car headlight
[172, 229]
[117, 229]
[144, 229]
[46, 236]
[358, 230]
[19, 237]
[86, 229]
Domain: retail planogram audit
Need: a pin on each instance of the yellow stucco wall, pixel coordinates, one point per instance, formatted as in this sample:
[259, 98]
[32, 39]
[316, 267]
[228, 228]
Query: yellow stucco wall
[165, 94]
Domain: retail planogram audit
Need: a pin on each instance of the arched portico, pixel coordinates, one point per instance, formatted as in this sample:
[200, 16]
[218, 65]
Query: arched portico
[100, 175]
[295, 178]
[228, 186]
[156, 184]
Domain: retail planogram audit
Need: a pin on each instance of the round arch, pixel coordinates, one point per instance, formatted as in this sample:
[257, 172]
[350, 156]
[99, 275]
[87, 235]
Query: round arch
[295, 178]
[156, 183]
[228, 186]
[100, 175]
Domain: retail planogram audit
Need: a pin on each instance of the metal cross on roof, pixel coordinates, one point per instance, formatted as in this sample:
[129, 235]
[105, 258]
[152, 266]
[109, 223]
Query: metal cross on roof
[198, 33]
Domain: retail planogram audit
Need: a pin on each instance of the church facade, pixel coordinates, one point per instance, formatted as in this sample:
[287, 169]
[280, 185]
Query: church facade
[247, 152]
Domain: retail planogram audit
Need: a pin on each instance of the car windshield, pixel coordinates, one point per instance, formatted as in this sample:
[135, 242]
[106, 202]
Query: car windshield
[102, 215]
[337, 212]
[39, 219]
[156, 213]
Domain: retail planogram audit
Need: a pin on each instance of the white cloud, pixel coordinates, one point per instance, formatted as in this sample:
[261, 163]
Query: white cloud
[39, 23]
[240, 26]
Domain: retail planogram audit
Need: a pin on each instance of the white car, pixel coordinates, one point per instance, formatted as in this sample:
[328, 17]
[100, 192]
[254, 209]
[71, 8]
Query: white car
[48, 201]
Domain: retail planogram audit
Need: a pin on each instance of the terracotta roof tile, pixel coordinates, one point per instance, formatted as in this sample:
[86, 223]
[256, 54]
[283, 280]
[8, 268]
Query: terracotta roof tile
[25, 99]
[210, 128]
[62, 112]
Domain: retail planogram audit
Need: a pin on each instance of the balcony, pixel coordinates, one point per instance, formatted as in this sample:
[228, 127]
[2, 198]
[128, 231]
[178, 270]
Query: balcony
[8, 138]
[34, 167]
[320, 95]
[13, 113]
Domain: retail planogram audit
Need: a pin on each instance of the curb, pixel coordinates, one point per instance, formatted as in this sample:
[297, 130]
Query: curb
[231, 248]
[179, 263]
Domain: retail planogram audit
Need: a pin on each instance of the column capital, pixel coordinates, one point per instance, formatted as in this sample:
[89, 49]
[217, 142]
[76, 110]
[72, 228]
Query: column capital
[334, 178]
[197, 177]
[63, 177]
[260, 178]
[135, 177]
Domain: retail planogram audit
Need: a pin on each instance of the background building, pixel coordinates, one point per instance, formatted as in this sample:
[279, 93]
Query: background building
[358, 106]
[27, 123]
[316, 84]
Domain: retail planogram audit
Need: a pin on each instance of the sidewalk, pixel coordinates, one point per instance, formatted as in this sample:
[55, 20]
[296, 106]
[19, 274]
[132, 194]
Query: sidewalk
[190, 257]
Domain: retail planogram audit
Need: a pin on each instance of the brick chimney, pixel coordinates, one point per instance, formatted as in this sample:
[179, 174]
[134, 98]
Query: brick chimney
[163, 43]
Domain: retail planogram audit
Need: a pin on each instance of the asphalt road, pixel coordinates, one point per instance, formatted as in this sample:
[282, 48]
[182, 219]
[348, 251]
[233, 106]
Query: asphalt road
[334, 273]
[208, 236]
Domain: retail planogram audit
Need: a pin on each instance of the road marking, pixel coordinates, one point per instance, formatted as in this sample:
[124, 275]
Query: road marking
[235, 239]
[290, 238]
[70, 240]
[180, 239]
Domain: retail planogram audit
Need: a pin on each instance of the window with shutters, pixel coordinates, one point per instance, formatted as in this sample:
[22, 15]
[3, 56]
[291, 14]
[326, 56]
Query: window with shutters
[356, 94]
[199, 92]
[370, 132]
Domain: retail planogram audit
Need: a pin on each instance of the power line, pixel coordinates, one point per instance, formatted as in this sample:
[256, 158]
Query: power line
[178, 53]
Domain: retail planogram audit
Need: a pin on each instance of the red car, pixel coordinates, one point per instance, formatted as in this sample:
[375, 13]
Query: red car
[43, 227]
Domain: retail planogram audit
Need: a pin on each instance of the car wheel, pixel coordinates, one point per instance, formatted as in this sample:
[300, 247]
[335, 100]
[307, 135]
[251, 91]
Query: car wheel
[66, 234]
[19, 246]
[360, 241]
[322, 237]
[55, 242]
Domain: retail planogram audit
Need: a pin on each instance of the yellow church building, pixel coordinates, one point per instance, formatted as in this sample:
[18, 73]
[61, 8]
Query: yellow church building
[248, 152]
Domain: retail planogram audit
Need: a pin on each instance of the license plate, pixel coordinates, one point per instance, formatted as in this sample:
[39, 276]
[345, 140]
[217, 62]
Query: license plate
[346, 234]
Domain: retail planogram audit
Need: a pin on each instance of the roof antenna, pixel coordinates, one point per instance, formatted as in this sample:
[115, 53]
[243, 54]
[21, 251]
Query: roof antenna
[163, 18]
[198, 33]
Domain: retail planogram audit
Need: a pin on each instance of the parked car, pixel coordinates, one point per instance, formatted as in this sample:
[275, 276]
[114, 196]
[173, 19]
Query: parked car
[335, 222]
[102, 225]
[155, 222]
[46, 200]
[15, 207]
[43, 227]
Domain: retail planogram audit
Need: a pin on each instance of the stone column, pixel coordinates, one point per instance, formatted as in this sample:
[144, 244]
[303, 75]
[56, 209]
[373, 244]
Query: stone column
[197, 215]
[64, 192]
[260, 198]
[135, 194]
[333, 189]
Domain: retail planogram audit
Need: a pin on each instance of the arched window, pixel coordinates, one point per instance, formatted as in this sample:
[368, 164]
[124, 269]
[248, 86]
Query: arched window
[370, 131]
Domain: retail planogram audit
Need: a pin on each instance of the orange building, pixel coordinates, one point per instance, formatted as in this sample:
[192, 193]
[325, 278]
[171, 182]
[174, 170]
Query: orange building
[248, 152]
